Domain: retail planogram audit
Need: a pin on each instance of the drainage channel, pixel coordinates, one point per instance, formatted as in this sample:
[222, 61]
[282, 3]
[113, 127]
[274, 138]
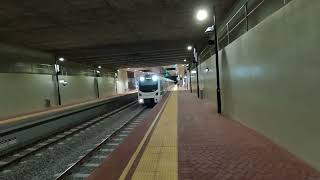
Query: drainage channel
[44, 159]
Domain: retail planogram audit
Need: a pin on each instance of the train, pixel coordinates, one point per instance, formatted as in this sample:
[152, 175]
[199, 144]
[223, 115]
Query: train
[152, 87]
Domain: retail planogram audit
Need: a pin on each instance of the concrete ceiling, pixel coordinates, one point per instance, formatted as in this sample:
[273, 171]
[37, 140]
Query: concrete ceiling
[112, 33]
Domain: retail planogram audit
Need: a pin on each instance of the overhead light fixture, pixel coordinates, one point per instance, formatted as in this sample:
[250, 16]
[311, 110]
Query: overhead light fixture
[185, 60]
[189, 48]
[63, 82]
[202, 15]
[209, 30]
[128, 68]
[57, 68]
[99, 67]
[193, 72]
[98, 72]
[61, 59]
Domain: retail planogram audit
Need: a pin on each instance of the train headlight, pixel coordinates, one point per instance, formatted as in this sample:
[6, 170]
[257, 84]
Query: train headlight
[140, 101]
[142, 78]
[154, 78]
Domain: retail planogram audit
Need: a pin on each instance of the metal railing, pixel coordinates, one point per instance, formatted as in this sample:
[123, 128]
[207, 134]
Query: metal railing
[242, 17]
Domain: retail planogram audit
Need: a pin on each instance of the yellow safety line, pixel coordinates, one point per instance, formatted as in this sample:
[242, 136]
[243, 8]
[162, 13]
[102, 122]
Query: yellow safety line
[134, 156]
[160, 158]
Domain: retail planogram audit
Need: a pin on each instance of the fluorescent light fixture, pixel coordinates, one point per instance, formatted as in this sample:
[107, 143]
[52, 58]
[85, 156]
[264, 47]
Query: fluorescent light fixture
[209, 30]
[202, 15]
[193, 72]
[57, 67]
[61, 59]
[99, 67]
[142, 78]
[63, 82]
[155, 78]
[189, 48]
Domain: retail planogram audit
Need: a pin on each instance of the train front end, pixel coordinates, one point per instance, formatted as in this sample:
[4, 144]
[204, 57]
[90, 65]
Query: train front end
[149, 89]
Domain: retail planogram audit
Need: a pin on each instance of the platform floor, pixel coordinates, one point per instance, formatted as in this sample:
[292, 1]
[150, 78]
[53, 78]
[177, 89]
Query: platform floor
[184, 138]
[20, 119]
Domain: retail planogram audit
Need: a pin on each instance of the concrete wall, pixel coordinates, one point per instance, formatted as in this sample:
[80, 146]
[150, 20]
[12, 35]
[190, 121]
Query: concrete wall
[270, 79]
[27, 80]
[106, 86]
[21, 93]
[122, 81]
[79, 88]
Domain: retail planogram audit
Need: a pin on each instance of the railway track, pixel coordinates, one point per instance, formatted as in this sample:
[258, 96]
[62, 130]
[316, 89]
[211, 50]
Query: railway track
[116, 124]
[91, 160]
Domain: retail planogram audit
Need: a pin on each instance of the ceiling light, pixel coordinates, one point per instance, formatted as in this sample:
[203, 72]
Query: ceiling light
[185, 60]
[189, 48]
[61, 59]
[99, 67]
[202, 15]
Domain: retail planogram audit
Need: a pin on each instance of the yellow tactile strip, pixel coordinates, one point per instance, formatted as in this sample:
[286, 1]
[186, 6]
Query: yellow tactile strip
[160, 158]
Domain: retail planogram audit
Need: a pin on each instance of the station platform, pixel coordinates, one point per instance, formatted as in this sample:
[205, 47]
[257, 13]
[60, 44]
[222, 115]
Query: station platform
[184, 138]
[22, 118]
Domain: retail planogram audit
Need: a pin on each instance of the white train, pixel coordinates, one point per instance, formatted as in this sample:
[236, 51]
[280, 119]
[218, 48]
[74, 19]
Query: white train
[152, 87]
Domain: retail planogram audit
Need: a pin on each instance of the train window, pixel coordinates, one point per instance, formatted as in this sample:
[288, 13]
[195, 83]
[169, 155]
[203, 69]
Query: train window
[148, 86]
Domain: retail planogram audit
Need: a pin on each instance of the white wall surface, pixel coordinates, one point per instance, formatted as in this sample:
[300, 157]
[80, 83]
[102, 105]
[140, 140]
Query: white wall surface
[106, 86]
[270, 79]
[78, 89]
[122, 81]
[22, 93]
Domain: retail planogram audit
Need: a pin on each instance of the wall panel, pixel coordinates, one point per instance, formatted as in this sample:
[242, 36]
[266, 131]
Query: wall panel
[270, 79]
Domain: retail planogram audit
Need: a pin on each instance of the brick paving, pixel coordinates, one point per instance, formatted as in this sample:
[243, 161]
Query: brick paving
[215, 148]
[212, 147]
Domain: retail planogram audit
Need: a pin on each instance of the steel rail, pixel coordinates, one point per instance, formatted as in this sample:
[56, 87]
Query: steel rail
[101, 118]
[68, 171]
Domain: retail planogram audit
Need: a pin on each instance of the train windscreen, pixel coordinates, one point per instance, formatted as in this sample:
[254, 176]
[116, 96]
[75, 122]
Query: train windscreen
[148, 86]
